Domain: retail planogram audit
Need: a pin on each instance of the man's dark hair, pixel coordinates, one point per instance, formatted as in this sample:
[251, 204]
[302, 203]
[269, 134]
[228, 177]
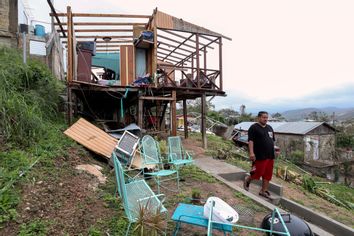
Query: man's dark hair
[262, 113]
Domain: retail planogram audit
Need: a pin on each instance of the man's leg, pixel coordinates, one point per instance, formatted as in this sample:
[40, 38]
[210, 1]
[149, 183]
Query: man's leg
[265, 185]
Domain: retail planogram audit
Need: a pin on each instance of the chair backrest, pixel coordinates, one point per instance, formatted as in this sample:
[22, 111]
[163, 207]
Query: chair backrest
[150, 150]
[121, 184]
[175, 149]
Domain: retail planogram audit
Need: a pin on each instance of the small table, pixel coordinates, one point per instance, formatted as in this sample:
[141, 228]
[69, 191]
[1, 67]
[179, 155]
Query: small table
[193, 214]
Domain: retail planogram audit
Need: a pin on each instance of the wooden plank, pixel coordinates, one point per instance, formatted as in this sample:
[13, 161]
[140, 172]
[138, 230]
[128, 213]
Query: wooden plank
[100, 30]
[92, 137]
[176, 41]
[203, 121]
[127, 61]
[104, 23]
[185, 121]
[103, 15]
[157, 98]
[103, 36]
[180, 36]
[140, 113]
[163, 20]
[173, 115]
[220, 64]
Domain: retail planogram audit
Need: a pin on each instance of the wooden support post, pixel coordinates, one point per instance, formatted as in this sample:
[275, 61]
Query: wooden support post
[203, 122]
[205, 61]
[197, 58]
[173, 115]
[158, 113]
[220, 62]
[69, 77]
[70, 109]
[185, 118]
[140, 113]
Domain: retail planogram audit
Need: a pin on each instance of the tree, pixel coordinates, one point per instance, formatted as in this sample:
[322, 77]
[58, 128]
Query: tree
[318, 116]
[278, 116]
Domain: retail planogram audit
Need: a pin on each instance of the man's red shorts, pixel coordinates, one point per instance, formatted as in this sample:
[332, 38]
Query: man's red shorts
[262, 168]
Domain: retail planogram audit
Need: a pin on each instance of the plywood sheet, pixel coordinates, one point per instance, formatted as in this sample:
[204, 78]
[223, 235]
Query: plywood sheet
[91, 137]
[127, 65]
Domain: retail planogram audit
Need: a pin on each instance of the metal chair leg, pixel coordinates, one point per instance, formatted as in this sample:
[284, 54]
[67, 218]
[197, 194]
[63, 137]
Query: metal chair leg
[127, 231]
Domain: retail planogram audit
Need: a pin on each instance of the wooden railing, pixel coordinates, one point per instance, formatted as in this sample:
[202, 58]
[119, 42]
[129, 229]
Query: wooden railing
[189, 77]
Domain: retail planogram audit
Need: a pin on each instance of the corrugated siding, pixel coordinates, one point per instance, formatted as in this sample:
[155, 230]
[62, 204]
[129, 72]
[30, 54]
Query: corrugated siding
[92, 137]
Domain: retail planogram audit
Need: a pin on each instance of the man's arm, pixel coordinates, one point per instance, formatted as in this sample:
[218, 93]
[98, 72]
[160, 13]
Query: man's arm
[251, 151]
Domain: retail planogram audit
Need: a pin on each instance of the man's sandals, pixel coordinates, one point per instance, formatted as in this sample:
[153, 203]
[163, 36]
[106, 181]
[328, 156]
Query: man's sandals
[265, 194]
[246, 184]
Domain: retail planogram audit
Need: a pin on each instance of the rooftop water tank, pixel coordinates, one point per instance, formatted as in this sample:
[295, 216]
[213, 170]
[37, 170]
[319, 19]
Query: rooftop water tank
[39, 30]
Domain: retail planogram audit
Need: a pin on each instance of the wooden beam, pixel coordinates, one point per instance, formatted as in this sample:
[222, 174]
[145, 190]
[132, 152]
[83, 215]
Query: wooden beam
[176, 41]
[178, 35]
[109, 50]
[157, 98]
[168, 50]
[180, 45]
[103, 36]
[103, 42]
[164, 54]
[203, 121]
[104, 23]
[111, 45]
[173, 114]
[103, 15]
[140, 113]
[220, 63]
[170, 45]
[197, 58]
[185, 121]
[56, 17]
[100, 30]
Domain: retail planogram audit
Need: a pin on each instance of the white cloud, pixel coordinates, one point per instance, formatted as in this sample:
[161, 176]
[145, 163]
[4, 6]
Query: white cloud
[280, 50]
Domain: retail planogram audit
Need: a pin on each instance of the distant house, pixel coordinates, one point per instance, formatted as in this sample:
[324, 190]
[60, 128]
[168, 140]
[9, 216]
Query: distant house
[315, 139]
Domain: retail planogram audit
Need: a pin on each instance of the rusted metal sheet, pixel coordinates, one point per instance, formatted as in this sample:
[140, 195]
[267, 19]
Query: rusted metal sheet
[92, 137]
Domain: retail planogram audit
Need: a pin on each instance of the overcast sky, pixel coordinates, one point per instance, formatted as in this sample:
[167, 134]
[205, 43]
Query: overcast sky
[283, 54]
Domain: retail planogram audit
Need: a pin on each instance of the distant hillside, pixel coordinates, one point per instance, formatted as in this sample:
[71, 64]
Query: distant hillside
[341, 114]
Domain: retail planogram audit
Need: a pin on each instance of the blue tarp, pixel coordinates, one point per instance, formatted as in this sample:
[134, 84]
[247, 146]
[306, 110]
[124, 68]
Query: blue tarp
[108, 60]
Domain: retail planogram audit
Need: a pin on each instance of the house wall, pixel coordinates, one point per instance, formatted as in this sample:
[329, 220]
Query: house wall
[8, 23]
[289, 143]
[314, 147]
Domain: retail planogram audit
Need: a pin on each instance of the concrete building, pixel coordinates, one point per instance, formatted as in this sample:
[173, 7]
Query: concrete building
[45, 47]
[315, 139]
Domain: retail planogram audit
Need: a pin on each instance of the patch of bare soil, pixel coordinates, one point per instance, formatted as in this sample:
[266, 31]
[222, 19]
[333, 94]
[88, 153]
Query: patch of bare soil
[62, 196]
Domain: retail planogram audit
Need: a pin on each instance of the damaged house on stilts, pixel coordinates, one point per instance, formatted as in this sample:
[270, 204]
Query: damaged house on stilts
[124, 69]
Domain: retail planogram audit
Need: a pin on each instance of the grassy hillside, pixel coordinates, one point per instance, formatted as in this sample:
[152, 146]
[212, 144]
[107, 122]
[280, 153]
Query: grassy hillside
[30, 124]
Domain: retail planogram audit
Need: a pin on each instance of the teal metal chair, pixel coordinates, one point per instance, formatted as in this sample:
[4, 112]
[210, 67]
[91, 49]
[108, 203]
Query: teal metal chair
[150, 151]
[176, 153]
[135, 195]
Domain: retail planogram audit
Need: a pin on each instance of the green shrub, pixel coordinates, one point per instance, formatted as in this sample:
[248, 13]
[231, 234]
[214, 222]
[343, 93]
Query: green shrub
[297, 156]
[29, 96]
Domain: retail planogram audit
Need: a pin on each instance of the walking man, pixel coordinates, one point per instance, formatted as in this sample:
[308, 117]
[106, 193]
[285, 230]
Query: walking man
[261, 152]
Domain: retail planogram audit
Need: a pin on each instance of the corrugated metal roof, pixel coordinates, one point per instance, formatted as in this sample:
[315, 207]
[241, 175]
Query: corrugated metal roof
[300, 127]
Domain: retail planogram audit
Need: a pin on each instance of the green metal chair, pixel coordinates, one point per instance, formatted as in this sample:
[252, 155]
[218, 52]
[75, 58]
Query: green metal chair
[177, 155]
[135, 194]
[150, 151]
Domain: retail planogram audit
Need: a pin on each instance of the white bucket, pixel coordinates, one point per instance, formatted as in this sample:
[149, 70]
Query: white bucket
[222, 212]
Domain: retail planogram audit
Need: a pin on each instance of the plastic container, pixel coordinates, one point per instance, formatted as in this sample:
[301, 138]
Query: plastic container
[222, 212]
[39, 30]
